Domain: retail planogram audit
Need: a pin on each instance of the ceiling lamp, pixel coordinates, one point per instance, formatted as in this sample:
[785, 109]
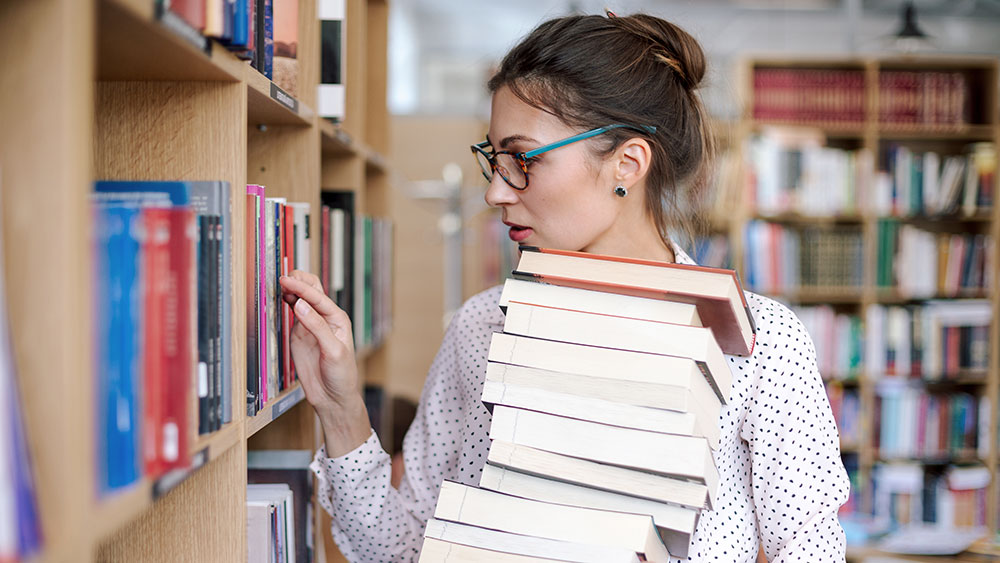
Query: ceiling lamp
[910, 37]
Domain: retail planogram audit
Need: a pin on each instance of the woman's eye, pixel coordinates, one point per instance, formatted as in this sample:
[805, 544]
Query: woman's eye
[529, 161]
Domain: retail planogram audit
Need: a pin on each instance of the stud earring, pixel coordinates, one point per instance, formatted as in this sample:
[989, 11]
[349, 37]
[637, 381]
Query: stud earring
[620, 191]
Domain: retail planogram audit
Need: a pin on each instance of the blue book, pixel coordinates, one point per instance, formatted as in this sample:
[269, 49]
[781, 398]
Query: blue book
[241, 23]
[143, 194]
[118, 312]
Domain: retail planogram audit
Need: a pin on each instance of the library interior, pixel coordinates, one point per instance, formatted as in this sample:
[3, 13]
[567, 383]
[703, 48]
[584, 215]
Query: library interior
[333, 137]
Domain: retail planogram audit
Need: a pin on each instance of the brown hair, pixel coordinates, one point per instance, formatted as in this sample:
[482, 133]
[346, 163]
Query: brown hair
[591, 71]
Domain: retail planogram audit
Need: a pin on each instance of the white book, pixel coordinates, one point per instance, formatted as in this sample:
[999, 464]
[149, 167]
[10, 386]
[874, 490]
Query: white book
[496, 391]
[488, 509]
[517, 544]
[601, 302]
[684, 457]
[696, 343]
[623, 480]
[675, 524]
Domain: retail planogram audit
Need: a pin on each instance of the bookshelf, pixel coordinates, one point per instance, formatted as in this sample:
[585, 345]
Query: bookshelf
[101, 89]
[867, 108]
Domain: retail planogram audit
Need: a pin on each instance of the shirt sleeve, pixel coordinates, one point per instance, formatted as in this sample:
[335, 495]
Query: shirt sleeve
[372, 521]
[799, 481]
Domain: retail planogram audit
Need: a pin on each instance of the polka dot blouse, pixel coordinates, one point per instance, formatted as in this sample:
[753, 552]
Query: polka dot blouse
[782, 479]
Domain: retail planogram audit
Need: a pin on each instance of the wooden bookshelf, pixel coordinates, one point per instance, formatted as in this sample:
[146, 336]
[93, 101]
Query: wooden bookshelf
[101, 89]
[871, 133]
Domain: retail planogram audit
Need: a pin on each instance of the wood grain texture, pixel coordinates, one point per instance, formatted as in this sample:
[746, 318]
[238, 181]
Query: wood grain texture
[355, 68]
[45, 99]
[376, 77]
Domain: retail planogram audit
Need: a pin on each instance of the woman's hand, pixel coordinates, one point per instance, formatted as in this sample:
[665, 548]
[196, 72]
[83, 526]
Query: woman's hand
[323, 351]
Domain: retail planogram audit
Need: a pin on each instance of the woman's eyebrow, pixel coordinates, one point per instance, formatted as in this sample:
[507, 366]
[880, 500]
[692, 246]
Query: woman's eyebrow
[514, 138]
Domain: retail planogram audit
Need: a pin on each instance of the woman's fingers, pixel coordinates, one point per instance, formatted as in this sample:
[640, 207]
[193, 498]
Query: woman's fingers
[308, 278]
[313, 322]
[315, 297]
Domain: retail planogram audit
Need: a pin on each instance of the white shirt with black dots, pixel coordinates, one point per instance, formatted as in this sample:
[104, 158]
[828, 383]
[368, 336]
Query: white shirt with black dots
[781, 475]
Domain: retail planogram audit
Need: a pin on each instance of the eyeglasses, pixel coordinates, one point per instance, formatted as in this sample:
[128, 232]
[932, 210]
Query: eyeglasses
[513, 166]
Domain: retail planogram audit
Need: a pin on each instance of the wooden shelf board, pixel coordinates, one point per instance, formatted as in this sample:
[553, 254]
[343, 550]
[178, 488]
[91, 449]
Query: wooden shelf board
[892, 297]
[275, 408]
[830, 129]
[831, 295]
[863, 553]
[263, 107]
[799, 218]
[907, 132]
[810, 62]
[334, 139]
[112, 513]
[375, 162]
[133, 45]
[963, 456]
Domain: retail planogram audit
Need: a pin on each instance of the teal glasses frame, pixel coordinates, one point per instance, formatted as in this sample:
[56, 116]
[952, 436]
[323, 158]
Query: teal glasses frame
[488, 157]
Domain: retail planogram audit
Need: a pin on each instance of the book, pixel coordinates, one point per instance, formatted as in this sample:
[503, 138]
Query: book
[717, 293]
[518, 545]
[290, 467]
[270, 510]
[438, 551]
[331, 97]
[683, 457]
[286, 45]
[497, 391]
[608, 331]
[651, 380]
[675, 524]
[488, 509]
[622, 480]
[601, 302]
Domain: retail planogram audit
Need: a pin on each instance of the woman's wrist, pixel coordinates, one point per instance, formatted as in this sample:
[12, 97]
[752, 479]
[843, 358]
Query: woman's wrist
[345, 427]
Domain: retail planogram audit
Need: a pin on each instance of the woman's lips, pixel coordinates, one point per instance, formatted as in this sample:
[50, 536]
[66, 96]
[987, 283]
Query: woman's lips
[518, 233]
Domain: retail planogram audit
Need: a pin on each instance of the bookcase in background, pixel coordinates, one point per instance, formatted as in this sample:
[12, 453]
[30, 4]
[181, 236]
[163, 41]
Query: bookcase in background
[121, 94]
[855, 209]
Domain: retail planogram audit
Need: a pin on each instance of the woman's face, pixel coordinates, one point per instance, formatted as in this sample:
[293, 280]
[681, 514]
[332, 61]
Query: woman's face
[569, 203]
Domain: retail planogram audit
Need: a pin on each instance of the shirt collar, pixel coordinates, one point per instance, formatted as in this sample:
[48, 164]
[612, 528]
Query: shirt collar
[681, 257]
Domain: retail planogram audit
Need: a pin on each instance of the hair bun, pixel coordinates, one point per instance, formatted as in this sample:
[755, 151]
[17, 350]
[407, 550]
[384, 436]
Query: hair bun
[670, 45]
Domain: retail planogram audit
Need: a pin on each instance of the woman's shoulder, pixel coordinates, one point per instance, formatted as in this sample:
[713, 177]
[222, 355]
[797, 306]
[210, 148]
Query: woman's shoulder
[776, 324]
[482, 309]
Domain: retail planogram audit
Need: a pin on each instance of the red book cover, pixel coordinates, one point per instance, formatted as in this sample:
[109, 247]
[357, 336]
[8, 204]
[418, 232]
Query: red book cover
[192, 11]
[170, 328]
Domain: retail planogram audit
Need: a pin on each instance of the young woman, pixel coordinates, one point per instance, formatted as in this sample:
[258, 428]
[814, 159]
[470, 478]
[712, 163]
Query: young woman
[596, 137]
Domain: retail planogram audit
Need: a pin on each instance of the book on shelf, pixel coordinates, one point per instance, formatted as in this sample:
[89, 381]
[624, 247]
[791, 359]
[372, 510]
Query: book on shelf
[20, 520]
[168, 361]
[654, 337]
[922, 97]
[289, 467]
[270, 523]
[838, 339]
[807, 95]
[674, 523]
[936, 184]
[717, 293]
[333, 44]
[286, 45]
[453, 541]
[517, 515]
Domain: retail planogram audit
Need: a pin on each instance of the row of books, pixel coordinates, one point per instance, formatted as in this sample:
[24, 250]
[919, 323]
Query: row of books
[809, 95]
[933, 184]
[266, 34]
[356, 253]
[911, 422]
[605, 388]
[846, 406]
[934, 341]
[792, 170]
[162, 265]
[838, 339]
[922, 97]
[20, 519]
[924, 264]
[712, 251]
[906, 493]
[277, 242]
[926, 98]
[279, 507]
[778, 258]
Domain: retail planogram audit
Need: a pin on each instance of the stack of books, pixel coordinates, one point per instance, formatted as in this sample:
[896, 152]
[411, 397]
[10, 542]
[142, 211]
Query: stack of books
[606, 387]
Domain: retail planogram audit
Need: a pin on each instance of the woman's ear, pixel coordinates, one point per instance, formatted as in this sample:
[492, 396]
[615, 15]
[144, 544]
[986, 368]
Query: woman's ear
[632, 161]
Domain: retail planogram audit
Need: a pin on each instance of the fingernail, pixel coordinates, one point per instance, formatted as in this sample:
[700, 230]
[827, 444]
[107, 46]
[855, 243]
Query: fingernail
[301, 308]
